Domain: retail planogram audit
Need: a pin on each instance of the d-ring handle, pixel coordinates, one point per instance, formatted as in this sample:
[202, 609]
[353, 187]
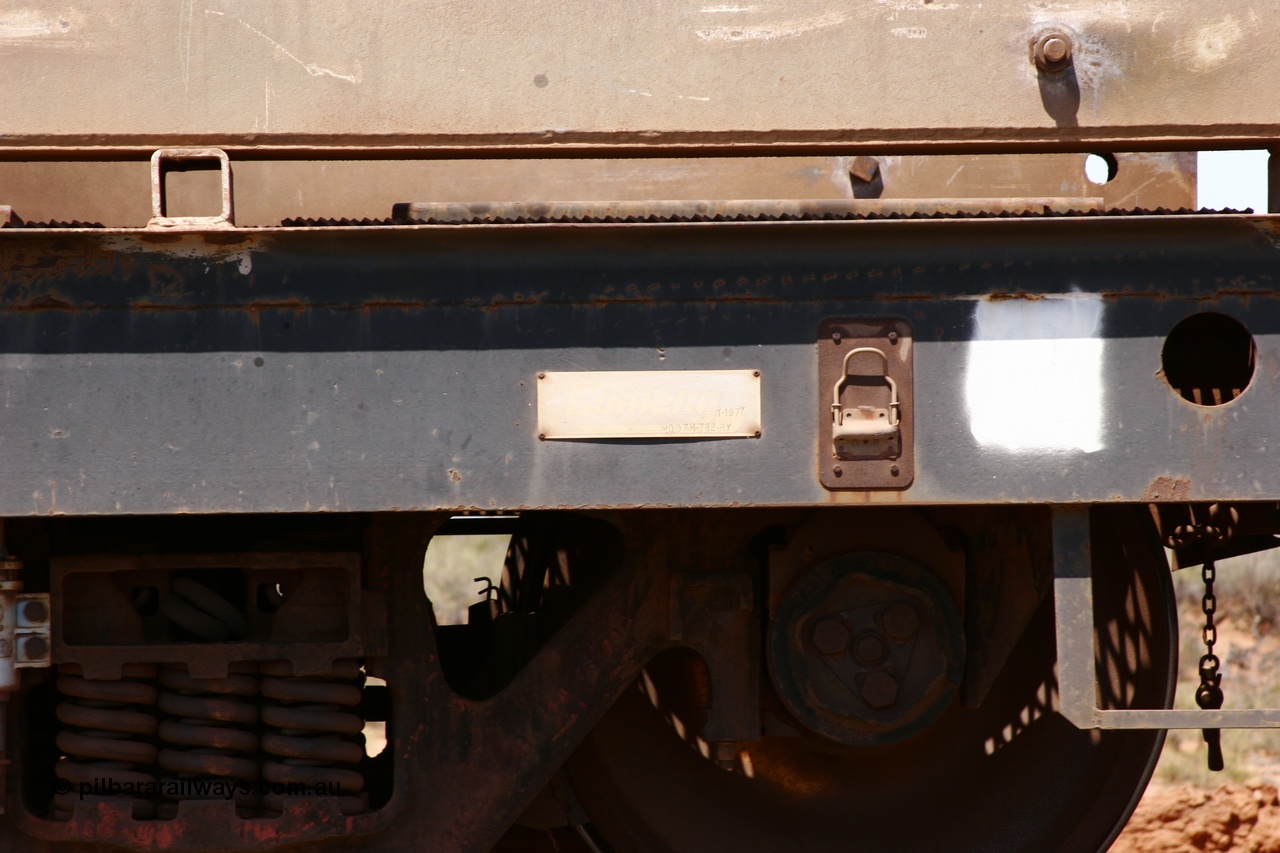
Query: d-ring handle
[844, 380]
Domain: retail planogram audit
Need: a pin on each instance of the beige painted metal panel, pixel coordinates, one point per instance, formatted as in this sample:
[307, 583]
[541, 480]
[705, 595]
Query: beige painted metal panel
[664, 404]
[543, 74]
[266, 192]
[117, 193]
[1142, 180]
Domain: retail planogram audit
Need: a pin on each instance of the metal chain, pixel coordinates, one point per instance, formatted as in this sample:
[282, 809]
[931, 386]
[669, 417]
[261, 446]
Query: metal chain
[1209, 604]
[1215, 531]
[1209, 694]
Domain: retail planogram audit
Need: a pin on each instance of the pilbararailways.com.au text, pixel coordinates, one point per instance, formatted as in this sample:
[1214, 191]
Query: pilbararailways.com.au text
[178, 789]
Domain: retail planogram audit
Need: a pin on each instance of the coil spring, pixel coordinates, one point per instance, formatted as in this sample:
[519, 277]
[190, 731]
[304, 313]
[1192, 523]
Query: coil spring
[207, 736]
[106, 740]
[203, 612]
[313, 734]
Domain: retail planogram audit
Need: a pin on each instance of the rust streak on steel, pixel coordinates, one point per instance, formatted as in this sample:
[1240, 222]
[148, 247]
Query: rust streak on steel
[45, 302]
[1168, 489]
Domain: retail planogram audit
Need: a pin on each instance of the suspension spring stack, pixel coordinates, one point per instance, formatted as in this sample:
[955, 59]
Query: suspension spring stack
[107, 743]
[255, 734]
[208, 736]
[315, 735]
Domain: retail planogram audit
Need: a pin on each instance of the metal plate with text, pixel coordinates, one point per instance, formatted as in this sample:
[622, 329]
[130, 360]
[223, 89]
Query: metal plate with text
[649, 404]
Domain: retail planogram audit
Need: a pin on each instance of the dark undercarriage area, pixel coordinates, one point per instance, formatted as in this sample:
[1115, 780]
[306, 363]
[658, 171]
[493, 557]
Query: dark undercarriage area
[745, 679]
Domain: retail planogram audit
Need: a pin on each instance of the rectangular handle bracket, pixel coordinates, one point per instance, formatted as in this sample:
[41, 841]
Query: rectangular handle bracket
[167, 160]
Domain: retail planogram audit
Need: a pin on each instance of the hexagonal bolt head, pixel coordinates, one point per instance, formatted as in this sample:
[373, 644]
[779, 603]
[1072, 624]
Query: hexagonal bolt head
[864, 169]
[831, 637]
[880, 689]
[1052, 51]
[900, 621]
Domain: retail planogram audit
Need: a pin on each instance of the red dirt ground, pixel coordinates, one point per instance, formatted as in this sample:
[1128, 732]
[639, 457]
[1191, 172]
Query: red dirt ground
[1186, 819]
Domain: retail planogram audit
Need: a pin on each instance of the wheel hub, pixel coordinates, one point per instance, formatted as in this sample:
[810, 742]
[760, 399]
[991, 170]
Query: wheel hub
[867, 648]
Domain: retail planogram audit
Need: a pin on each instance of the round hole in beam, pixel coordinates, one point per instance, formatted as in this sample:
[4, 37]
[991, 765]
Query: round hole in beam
[1101, 168]
[1209, 359]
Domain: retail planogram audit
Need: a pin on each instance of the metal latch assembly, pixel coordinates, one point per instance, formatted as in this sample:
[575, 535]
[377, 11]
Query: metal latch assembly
[864, 382]
[864, 431]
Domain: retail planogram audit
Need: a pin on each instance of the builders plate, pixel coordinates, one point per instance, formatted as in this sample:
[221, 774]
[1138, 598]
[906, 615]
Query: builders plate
[662, 404]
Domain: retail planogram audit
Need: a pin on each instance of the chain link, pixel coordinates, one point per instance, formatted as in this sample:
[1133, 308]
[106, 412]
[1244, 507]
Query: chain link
[1209, 662]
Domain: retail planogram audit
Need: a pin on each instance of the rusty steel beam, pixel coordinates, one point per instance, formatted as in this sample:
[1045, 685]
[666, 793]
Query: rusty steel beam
[287, 78]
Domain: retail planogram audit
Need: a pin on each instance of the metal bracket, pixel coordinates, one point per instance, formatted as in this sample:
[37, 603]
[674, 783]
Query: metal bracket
[1077, 672]
[323, 613]
[714, 614]
[162, 161]
[866, 440]
[24, 627]
[31, 633]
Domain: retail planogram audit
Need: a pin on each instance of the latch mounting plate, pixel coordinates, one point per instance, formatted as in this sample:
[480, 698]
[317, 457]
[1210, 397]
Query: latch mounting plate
[892, 464]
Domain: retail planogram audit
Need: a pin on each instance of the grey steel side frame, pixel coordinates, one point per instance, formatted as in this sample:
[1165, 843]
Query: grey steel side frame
[373, 369]
[1077, 671]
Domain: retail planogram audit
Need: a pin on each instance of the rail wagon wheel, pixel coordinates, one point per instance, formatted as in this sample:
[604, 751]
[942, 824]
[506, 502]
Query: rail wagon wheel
[1009, 775]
